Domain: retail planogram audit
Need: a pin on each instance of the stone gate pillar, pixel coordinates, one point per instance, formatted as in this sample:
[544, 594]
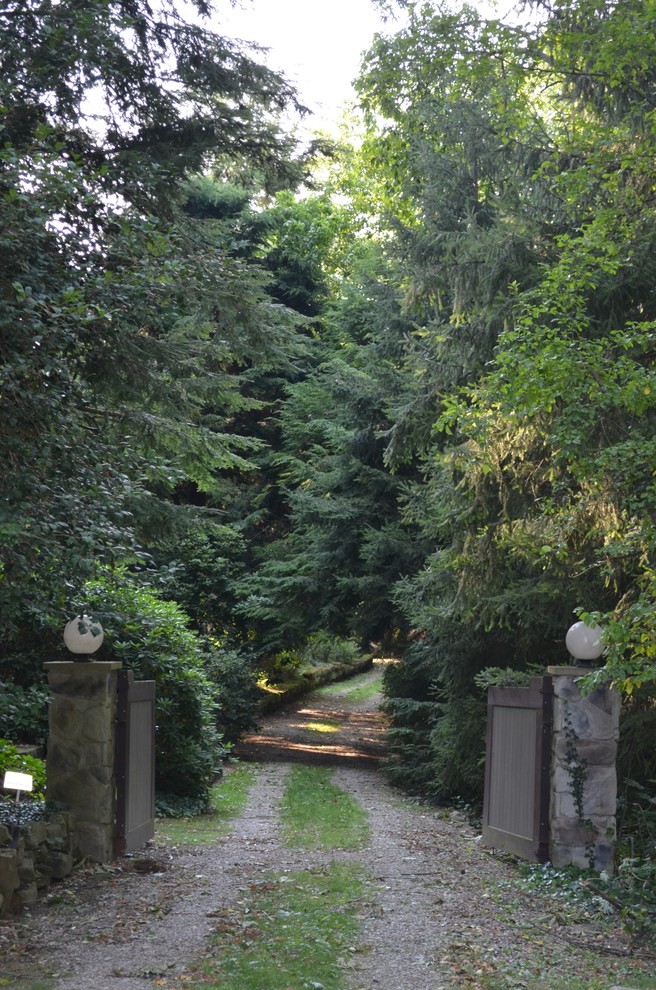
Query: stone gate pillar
[80, 758]
[583, 775]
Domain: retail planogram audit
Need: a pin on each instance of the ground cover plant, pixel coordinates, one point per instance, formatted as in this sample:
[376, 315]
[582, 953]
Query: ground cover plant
[575, 935]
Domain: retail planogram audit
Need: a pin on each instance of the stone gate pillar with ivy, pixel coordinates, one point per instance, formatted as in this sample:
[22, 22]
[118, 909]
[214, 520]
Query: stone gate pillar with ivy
[583, 775]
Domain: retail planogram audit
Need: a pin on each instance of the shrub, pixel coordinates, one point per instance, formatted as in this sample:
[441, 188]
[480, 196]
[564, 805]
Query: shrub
[23, 713]
[323, 648]
[234, 678]
[151, 637]
[281, 667]
[12, 759]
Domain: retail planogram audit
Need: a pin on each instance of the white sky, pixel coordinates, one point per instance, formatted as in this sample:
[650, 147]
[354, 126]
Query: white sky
[316, 44]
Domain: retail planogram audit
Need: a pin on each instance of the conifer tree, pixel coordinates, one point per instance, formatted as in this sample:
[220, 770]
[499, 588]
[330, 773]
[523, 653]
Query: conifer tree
[125, 329]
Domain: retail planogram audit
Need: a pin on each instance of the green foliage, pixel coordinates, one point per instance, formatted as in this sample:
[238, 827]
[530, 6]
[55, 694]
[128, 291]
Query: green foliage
[151, 636]
[507, 676]
[629, 896]
[172, 806]
[12, 759]
[457, 750]
[417, 403]
[636, 749]
[322, 648]
[234, 676]
[200, 573]
[633, 888]
[125, 326]
[637, 821]
[23, 713]
[514, 175]
[334, 567]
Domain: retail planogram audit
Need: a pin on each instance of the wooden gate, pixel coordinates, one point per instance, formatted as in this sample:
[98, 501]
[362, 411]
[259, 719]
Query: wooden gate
[135, 763]
[516, 806]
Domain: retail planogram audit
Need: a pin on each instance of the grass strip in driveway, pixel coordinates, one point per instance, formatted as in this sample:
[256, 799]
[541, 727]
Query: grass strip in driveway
[228, 800]
[316, 814]
[357, 689]
[296, 931]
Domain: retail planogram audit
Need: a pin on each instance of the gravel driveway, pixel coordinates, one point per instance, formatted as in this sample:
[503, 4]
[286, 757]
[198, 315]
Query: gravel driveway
[443, 912]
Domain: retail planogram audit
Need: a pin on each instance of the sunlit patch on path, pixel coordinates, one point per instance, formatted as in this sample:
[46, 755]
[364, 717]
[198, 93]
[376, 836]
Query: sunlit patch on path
[319, 732]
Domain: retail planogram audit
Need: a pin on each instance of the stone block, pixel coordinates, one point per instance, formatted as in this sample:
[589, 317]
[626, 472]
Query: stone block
[561, 780]
[24, 897]
[602, 723]
[5, 835]
[600, 857]
[605, 699]
[569, 831]
[99, 723]
[592, 716]
[89, 793]
[8, 872]
[63, 758]
[55, 830]
[566, 687]
[604, 857]
[599, 793]
[57, 865]
[561, 856]
[33, 834]
[94, 681]
[26, 870]
[96, 841]
[68, 818]
[597, 752]
[65, 719]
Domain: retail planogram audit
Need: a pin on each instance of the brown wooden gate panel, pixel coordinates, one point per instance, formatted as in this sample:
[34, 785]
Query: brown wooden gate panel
[516, 806]
[135, 763]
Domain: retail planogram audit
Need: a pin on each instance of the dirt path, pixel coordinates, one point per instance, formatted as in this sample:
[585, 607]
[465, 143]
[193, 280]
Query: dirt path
[442, 912]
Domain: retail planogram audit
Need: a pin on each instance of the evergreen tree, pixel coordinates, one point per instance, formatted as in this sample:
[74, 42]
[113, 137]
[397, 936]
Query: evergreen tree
[125, 330]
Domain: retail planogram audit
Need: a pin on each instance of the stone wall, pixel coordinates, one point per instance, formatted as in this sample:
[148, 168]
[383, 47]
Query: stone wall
[583, 776]
[31, 857]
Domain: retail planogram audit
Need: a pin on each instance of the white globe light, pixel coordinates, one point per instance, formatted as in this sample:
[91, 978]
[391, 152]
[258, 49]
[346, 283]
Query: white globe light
[83, 635]
[584, 642]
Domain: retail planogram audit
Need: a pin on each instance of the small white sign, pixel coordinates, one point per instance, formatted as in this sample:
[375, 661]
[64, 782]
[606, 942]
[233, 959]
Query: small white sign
[17, 781]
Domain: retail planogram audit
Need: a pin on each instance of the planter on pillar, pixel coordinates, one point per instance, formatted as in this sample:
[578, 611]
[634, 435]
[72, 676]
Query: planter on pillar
[80, 760]
[583, 776]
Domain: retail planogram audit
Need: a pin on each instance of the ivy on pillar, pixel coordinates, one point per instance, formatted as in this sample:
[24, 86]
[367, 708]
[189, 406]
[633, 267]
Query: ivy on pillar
[584, 751]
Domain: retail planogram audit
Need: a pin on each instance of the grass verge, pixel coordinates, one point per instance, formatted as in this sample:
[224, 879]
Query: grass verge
[228, 800]
[296, 930]
[316, 814]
